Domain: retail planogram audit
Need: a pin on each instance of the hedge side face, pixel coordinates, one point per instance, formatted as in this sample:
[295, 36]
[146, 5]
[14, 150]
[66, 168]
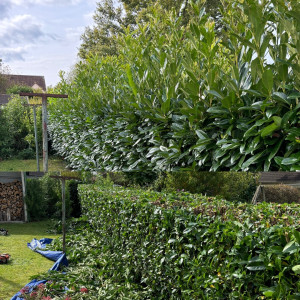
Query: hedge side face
[185, 246]
[189, 97]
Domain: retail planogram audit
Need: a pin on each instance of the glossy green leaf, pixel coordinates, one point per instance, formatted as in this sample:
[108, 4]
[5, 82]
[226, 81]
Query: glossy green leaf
[269, 129]
[267, 79]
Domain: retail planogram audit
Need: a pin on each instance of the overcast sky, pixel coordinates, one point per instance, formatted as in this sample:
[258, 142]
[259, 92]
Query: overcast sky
[41, 37]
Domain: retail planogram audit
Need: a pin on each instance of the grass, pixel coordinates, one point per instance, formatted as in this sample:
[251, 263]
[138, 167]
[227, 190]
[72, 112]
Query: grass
[24, 262]
[30, 165]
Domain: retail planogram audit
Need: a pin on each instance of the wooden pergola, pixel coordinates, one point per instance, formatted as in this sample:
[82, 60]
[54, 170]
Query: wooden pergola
[44, 97]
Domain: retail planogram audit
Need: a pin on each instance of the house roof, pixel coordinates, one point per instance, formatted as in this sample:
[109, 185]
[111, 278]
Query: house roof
[28, 80]
[279, 177]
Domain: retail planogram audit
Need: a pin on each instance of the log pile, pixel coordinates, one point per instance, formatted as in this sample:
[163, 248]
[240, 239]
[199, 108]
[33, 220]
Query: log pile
[11, 201]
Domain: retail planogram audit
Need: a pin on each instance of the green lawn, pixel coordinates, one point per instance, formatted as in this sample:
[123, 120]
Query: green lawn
[30, 165]
[24, 262]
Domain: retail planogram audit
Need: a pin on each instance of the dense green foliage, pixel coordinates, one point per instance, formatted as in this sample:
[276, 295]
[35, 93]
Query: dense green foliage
[4, 84]
[184, 97]
[17, 129]
[150, 245]
[16, 89]
[5, 140]
[43, 198]
[281, 194]
[232, 186]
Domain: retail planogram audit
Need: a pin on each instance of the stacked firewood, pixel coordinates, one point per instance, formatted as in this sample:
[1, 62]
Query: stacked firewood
[11, 201]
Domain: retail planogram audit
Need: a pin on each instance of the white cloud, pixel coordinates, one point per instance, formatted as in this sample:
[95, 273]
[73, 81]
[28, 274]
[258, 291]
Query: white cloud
[89, 17]
[19, 29]
[5, 6]
[12, 54]
[47, 2]
[74, 33]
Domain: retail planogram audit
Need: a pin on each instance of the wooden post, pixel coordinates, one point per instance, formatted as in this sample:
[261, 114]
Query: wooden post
[36, 140]
[263, 193]
[63, 192]
[23, 177]
[45, 134]
[257, 192]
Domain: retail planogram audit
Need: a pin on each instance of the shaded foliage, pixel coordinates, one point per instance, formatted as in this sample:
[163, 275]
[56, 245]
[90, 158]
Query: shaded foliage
[43, 198]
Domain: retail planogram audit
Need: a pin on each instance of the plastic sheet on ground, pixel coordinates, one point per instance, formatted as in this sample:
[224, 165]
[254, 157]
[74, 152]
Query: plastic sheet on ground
[57, 256]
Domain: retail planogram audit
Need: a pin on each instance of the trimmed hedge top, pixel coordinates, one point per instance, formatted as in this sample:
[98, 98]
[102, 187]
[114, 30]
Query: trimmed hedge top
[201, 206]
[182, 246]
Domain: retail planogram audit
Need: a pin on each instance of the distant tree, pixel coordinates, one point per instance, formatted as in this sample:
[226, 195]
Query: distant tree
[101, 37]
[111, 19]
[4, 69]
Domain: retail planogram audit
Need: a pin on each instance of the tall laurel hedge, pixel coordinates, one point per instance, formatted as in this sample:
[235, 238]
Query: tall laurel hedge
[189, 97]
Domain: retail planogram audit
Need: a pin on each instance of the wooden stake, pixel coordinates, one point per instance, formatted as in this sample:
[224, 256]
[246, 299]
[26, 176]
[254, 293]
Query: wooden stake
[45, 134]
[63, 189]
[23, 176]
[257, 192]
[36, 140]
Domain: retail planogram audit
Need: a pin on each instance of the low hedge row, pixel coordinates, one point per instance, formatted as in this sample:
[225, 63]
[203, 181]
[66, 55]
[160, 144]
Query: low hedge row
[184, 246]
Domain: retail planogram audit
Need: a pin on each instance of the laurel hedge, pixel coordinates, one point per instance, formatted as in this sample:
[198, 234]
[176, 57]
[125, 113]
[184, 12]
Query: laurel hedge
[184, 246]
[189, 97]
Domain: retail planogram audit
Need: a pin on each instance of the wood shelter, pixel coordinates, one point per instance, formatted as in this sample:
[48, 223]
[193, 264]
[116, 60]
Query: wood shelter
[275, 178]
[12, 195]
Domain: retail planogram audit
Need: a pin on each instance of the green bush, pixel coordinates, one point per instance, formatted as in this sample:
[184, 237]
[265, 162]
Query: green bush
[74, 198]
[17, 122]
[281, 194]
[233, 186]
[43, 198]
[150, 245]
[5, 137]
[16, 89]
[27, 153]
[36, 203]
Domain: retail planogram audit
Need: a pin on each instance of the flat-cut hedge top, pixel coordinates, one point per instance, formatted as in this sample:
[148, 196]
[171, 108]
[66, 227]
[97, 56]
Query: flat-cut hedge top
[268, 214]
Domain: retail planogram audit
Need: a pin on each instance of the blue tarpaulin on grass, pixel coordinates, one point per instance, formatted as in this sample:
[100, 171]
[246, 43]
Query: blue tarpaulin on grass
[57, 256]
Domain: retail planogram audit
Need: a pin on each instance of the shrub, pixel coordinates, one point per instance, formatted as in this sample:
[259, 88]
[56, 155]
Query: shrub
[43, 198]
[281, 194]
[26, 154]
[36, 203]
[233, 186]
[18, 138]
[74, 198]
[5, 137]
[16, 89]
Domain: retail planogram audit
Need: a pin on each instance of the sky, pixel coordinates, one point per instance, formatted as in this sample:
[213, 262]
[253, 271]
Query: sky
[42, 37]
